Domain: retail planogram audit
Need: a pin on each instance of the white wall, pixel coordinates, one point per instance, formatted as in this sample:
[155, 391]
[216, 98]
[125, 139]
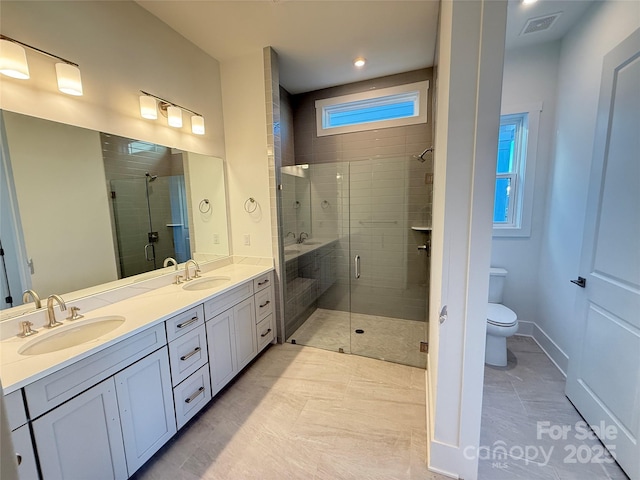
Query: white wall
[468, 91]
[604, 26]
[205, 180]
[70, 232]
[530, 76]
[121, 49]
[243, 88]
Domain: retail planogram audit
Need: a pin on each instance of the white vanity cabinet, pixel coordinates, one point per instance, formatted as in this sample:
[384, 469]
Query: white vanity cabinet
[232, 322]
[21, 436]
[145, 401]
[82, 439]
[105, 415]
[188, 355]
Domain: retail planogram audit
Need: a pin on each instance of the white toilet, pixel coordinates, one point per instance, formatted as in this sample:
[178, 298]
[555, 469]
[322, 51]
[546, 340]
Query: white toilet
[502, 322]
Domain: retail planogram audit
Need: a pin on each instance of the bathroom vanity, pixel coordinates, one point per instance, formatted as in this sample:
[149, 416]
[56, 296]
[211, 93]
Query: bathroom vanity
[102, 408]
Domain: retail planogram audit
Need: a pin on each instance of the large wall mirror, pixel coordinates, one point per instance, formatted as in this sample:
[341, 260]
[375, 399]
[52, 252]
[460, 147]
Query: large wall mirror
[84, 211]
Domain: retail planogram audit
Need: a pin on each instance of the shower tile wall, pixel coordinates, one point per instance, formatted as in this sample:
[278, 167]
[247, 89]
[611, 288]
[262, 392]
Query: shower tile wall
[381, 164]
[127, 159]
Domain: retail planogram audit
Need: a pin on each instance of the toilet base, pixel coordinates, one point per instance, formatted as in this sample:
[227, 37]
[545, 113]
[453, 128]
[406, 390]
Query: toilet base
[496, 351]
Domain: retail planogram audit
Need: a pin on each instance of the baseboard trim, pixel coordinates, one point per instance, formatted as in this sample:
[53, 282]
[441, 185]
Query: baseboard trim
[548, 346]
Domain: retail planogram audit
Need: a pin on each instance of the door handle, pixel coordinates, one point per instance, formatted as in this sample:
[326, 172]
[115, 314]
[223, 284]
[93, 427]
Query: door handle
[146, 252]
[356, 261]
[580, 281]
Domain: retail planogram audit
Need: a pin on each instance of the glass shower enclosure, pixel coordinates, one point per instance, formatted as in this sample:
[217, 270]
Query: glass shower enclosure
[151, 222]
[356, 250]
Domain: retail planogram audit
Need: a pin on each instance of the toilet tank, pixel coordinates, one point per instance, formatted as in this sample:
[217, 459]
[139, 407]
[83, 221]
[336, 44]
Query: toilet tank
[497, 277]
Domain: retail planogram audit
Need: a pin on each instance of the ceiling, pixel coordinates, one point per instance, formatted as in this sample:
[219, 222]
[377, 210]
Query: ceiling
[317, 40]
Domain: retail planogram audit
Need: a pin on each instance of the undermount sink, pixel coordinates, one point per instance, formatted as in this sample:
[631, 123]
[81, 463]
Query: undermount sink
[205, 283]
[291, 251]
[72, 335]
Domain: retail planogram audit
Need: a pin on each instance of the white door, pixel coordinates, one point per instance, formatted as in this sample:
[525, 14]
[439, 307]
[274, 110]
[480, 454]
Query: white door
[603, 379]
[145, 401]
[82, 437]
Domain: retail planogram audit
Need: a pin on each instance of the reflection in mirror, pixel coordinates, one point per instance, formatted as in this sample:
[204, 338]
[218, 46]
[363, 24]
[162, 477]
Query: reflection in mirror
[81, 209]
[296, 202]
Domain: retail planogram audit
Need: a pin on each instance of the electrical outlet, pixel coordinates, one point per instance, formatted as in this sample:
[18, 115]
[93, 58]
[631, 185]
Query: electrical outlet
[247, 239]
[216, 238]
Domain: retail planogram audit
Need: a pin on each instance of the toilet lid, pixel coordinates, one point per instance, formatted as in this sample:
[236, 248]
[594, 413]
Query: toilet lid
[501, 316]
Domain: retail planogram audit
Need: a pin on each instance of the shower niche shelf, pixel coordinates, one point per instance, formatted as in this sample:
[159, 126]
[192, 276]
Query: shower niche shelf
[421, 229]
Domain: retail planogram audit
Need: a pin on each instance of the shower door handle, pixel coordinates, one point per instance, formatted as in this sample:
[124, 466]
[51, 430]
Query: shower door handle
[356, 262]
[146, 252]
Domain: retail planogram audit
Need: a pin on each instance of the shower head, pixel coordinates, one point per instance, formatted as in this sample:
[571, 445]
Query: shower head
[421, 156]
[150, 177]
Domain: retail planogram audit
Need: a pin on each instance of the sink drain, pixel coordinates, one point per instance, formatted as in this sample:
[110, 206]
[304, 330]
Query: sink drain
[359, 330]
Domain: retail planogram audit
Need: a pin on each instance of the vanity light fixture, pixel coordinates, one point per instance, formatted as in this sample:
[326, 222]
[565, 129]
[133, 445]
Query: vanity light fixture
[13, 63]
[148, 109]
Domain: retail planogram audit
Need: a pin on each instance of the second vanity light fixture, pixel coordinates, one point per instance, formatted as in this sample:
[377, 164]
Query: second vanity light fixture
[13, 63]
[149, 104]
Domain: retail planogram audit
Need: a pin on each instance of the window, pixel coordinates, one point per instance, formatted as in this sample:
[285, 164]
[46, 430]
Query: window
[517, 140]
[385, 107]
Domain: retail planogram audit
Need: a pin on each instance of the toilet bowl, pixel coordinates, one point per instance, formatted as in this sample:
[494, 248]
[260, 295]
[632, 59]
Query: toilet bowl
[502, 322]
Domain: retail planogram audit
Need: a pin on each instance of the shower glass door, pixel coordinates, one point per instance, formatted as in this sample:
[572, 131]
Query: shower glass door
[151, 222]
[359, 284]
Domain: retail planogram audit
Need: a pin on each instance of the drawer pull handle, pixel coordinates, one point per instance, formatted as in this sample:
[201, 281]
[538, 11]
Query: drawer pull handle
[263, 283]
[265, 304]
[190, 354]
[188, 322]
[194, 395]
[266, 333]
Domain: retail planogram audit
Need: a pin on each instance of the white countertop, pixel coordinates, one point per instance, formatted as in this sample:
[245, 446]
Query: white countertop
[141, 312]
[294, 250]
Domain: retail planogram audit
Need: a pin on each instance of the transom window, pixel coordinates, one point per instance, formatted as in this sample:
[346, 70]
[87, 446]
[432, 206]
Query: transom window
[385, 107]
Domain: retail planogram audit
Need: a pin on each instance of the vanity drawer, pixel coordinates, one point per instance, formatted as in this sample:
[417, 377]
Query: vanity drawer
[264, 303]
[265, 332]
[16, 413]
[191, 395]
[52, 390]
[227, 300]
[263, 282]
[187, 354]
[184, 322]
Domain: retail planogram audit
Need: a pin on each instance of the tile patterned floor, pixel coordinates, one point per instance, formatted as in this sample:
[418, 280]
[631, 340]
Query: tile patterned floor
[530, 389]
[306, 413]
[391, 339]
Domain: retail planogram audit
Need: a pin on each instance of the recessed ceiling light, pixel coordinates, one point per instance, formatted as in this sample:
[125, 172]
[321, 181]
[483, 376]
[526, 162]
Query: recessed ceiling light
[359, 62]
[528, 2]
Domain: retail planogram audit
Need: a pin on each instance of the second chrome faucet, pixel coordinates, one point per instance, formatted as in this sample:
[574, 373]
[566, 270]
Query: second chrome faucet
[51, 315]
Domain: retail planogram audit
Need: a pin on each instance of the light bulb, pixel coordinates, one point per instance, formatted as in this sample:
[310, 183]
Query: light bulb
[197, 124]
[174, 116]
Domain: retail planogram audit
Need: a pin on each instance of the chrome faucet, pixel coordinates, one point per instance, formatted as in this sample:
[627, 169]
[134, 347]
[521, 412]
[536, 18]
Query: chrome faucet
[301, 239]
[186, 270]
[32, 294]
[169, 260]
[51, 315]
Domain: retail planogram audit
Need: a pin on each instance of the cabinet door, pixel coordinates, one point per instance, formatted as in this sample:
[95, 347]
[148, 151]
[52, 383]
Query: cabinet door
[82, 437]
[23, 447]
[222, 350]
[244, 320]
[145, 401]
